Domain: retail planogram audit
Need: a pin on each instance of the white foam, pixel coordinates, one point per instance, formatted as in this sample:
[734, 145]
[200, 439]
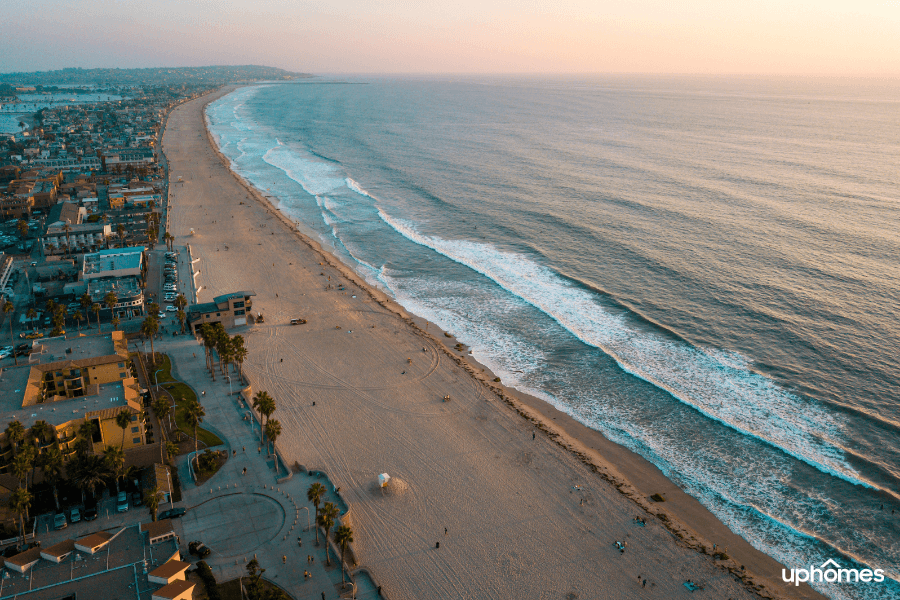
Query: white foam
[717, 384]
[353, 185]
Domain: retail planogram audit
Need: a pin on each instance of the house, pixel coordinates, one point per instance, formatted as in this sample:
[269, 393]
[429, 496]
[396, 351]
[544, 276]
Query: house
[159, 531]
[229, 309]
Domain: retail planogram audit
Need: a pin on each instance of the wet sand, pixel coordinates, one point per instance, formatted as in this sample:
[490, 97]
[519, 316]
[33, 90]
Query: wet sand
[532, 500]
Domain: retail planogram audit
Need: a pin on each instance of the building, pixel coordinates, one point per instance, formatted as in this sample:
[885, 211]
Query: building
[68, 382]
[100, 566]
[116, 270]
[62, 238]
[230, 310]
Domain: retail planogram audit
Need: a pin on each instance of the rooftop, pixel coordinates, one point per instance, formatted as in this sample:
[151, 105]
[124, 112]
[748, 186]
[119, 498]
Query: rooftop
[174, 589]
[114, 259]
[60, 549]
[226, 297]
[170, 569]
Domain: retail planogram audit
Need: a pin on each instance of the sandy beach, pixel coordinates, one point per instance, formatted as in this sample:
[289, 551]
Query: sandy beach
[531, 501]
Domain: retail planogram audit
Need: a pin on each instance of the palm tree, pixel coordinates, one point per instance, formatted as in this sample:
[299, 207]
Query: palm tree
[15, 433]
[67, 228]
[51, 463]
[41, 430]
[161, 408]
[181, 318]
[240, 353]
[314, 494]
[273, 430]
[123, 420]
[149, 328]
[90, 470]
[193, 414]
[86, 435]
[7, 309]
[111, 301]
[96, 308]
[325, 520]
[114, 459]
[86, 301]
[265, 405]
[115, 323]
[21, 466]
[171, 450]
[22, 226]
[31, 314]
[77, 316]
[153, 498]
[20, 502]
[120, 230]
[343, 535]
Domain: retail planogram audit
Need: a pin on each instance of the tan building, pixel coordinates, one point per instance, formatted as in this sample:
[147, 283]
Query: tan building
[230, 310]
[68, 382]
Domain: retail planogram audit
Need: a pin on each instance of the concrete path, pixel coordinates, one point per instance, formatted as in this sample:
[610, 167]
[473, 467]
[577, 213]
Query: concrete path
[242, 516]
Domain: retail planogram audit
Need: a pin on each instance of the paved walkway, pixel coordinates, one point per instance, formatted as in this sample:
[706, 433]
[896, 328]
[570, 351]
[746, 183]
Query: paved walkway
[240, 516]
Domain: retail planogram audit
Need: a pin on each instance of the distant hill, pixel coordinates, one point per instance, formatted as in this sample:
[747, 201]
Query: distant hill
[153, 76]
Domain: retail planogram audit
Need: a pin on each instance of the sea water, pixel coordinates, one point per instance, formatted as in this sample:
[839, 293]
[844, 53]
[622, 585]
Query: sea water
[705, 270]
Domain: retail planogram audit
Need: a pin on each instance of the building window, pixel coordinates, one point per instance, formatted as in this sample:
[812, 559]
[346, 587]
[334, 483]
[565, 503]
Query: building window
[135, 429]
[121, 365]
[238, 313]
[134, 417]
[218, 314]
[136, 440]
[239, 304]
[123, 375]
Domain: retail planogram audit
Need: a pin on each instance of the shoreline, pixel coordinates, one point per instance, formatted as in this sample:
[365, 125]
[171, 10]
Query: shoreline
[691, 524]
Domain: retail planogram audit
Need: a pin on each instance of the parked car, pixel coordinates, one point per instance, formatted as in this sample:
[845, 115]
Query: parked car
[59, 521]
[171, 308]
[172, 513]
[122, 502]
[75, 515]
[90, 513]
[199, 549]
[136, 499]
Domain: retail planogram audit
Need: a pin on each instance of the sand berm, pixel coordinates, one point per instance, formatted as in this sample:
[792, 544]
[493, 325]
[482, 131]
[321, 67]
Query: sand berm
[526, 518]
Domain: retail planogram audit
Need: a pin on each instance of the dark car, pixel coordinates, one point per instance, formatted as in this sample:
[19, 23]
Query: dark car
[199, 549]
[172, 513]
[136, 499]
[90, 513]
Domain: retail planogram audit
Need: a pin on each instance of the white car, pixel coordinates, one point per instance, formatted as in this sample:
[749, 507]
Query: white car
[161, 315]
[171, 308]
[170, 287]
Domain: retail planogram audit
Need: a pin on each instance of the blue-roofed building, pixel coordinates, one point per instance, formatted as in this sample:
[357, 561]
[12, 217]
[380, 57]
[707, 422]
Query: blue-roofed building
[116, 270]
[230, 310]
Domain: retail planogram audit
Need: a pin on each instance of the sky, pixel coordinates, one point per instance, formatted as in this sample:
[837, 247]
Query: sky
[784, 37]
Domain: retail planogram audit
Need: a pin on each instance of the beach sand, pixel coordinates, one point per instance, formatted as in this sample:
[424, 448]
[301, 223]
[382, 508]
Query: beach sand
[525, 518]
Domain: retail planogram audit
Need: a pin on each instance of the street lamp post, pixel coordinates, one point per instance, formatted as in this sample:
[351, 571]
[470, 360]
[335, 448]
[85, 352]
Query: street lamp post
[156, 379]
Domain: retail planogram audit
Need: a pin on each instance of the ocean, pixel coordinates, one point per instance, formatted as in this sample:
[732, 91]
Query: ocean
[703, 269]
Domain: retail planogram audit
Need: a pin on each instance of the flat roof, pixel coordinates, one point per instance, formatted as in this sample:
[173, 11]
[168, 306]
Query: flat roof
[110, 396]
[82, 347]
[125, 258]
[225, 297]
[122, 287]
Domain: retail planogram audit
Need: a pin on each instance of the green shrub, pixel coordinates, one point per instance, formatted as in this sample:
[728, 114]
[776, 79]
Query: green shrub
[209, 580]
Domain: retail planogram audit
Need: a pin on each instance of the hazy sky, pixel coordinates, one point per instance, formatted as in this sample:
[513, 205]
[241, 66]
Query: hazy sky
[853, 37]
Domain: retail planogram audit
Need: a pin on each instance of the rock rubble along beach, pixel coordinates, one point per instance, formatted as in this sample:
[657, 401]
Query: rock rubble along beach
[352, 404]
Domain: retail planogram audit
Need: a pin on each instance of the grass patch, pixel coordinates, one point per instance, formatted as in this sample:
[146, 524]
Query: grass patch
[165, 369]
[184, 394]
